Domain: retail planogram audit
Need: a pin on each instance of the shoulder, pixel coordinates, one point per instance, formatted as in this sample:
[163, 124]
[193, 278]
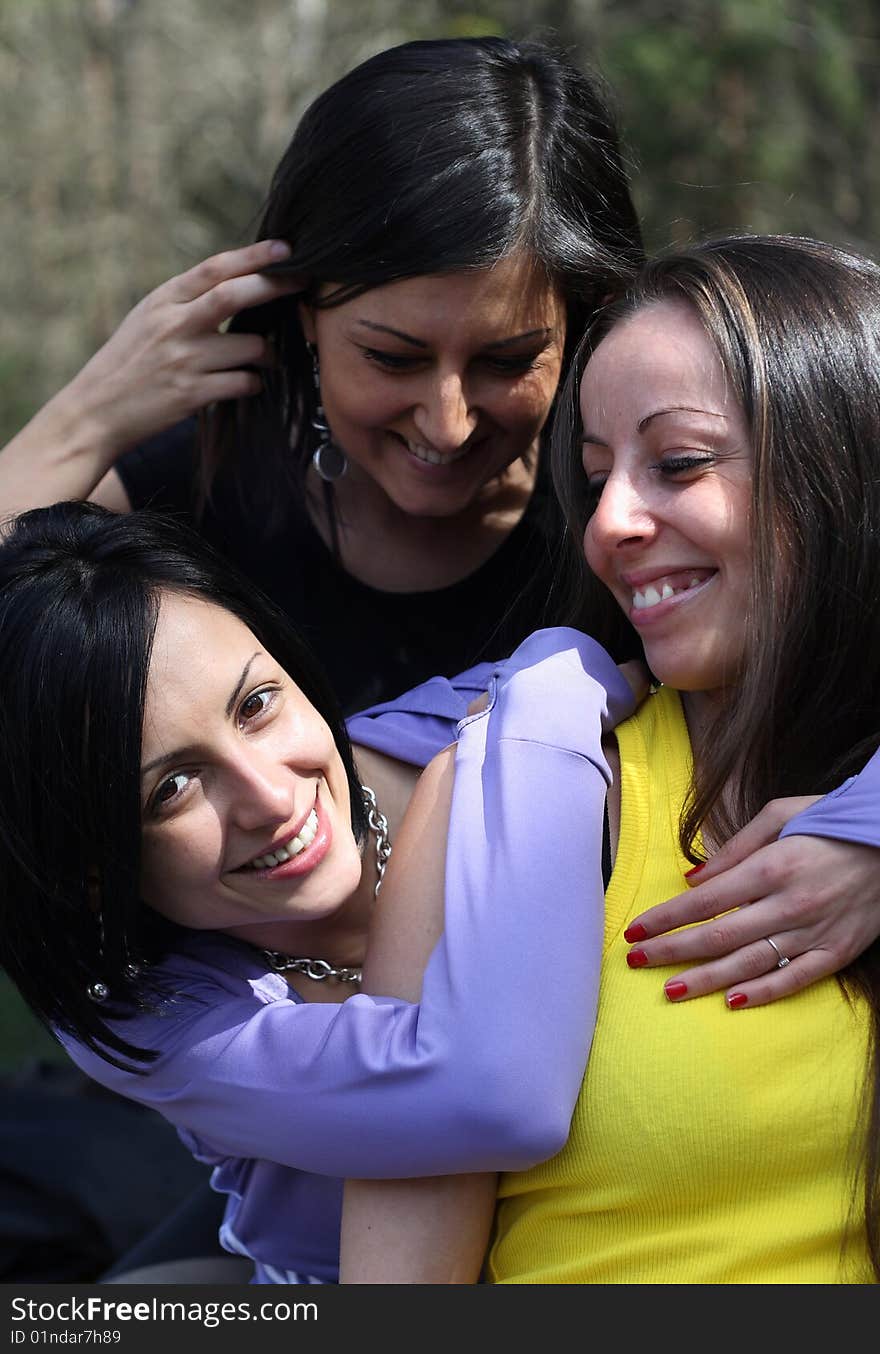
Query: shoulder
[215, 960]
[207, 984]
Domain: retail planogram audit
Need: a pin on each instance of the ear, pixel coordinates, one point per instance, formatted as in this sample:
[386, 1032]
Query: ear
[307, 320]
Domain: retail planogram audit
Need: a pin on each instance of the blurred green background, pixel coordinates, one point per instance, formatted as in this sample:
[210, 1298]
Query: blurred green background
[139, 136]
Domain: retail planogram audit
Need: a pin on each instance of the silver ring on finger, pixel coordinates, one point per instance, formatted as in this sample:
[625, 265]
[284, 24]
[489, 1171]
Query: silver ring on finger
[781, 960]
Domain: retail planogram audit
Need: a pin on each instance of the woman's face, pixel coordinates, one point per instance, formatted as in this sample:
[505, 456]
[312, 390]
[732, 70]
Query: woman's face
[434, 385]
[237, 765]
[667, 452]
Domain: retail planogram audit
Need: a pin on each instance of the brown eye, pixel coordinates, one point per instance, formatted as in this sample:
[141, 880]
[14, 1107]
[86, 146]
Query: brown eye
[169, 790]
[254, 705]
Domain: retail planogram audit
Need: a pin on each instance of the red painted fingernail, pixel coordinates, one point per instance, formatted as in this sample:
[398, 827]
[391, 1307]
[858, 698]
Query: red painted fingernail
[737, 999]
[637, 959]
[689, 874]
[675, 990]
[635, 932]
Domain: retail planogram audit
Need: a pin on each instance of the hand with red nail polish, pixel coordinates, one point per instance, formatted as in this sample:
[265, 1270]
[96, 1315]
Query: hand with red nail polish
[762, 885]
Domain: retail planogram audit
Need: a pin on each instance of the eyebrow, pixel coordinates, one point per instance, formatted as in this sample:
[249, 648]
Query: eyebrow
[180, 754]
[544, 333]
[658, 413]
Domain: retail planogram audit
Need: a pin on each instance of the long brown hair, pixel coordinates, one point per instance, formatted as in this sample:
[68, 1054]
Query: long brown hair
[796, 324]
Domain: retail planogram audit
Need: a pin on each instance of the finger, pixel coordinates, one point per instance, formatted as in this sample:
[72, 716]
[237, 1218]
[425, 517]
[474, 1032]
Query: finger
[224, 385]
[745, 978]
[736, 888]
[209, 311]
[204, 276]
[743, 965]
[223, 352]
[764, 828]
[801, 972]
[729, 935]
[757, 876]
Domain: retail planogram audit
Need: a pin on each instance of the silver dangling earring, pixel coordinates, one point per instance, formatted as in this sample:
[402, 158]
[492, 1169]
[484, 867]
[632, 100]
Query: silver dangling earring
[329, 460]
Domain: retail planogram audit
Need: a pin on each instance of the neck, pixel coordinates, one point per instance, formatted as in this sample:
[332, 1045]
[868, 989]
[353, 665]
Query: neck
[340, 939]
[387, 548]
[700, 709]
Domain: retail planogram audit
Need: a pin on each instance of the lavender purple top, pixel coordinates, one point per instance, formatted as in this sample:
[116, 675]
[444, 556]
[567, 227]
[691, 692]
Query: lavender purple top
[284, 1098]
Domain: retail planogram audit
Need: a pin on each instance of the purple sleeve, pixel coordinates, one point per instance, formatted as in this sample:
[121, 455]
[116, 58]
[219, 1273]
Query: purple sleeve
[417, 725]
[851, 813]
[482, 1074]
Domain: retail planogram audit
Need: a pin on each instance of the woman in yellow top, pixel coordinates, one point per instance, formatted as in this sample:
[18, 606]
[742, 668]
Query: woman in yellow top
[728, 497]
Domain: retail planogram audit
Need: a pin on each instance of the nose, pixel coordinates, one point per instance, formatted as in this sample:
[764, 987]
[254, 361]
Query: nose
[443, 417]
[621, 516]
[262, 790]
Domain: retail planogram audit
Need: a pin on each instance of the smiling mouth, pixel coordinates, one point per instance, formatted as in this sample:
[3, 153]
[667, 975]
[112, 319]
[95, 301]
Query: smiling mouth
[664, 588]
[428, 456]
[288, 849]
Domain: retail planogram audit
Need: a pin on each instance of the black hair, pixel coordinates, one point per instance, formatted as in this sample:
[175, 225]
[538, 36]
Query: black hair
[80, 589]
[431, 157]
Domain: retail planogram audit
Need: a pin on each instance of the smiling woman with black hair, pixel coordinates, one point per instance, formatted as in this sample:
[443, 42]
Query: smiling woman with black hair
[184, 902]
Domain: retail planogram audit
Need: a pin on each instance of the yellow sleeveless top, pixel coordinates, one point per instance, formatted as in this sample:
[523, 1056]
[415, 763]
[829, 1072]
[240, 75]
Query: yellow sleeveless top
[708, 1146]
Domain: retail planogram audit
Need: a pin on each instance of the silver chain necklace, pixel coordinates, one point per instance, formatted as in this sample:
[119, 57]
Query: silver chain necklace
[320, 969]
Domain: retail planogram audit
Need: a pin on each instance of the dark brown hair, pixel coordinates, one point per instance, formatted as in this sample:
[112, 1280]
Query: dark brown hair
[796, 324]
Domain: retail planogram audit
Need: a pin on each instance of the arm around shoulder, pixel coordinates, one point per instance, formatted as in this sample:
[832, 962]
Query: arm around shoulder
[851, 813]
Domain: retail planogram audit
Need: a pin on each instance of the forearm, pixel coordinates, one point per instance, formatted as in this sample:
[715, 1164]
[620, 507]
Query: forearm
[850, 813]
[433, 1231]
[63, 452]
[167, 359]
[518, 808]
[521, 869]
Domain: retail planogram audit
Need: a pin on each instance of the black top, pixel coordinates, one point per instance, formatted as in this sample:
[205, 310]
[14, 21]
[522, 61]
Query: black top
[373, 644]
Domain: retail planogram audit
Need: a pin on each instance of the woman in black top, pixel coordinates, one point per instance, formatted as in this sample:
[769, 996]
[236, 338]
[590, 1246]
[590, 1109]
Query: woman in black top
[452, 211]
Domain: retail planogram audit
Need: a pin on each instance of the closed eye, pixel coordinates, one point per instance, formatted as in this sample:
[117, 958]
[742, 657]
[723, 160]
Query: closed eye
[508, 365]
[392, 361]
[671, 466]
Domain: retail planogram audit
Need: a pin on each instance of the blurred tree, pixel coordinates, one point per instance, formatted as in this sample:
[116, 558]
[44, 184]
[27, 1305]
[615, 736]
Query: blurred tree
[139, 135]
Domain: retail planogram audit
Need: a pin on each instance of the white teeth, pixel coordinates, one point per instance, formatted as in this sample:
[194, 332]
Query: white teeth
[650, 596]
[433, 457]
[289, 849]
